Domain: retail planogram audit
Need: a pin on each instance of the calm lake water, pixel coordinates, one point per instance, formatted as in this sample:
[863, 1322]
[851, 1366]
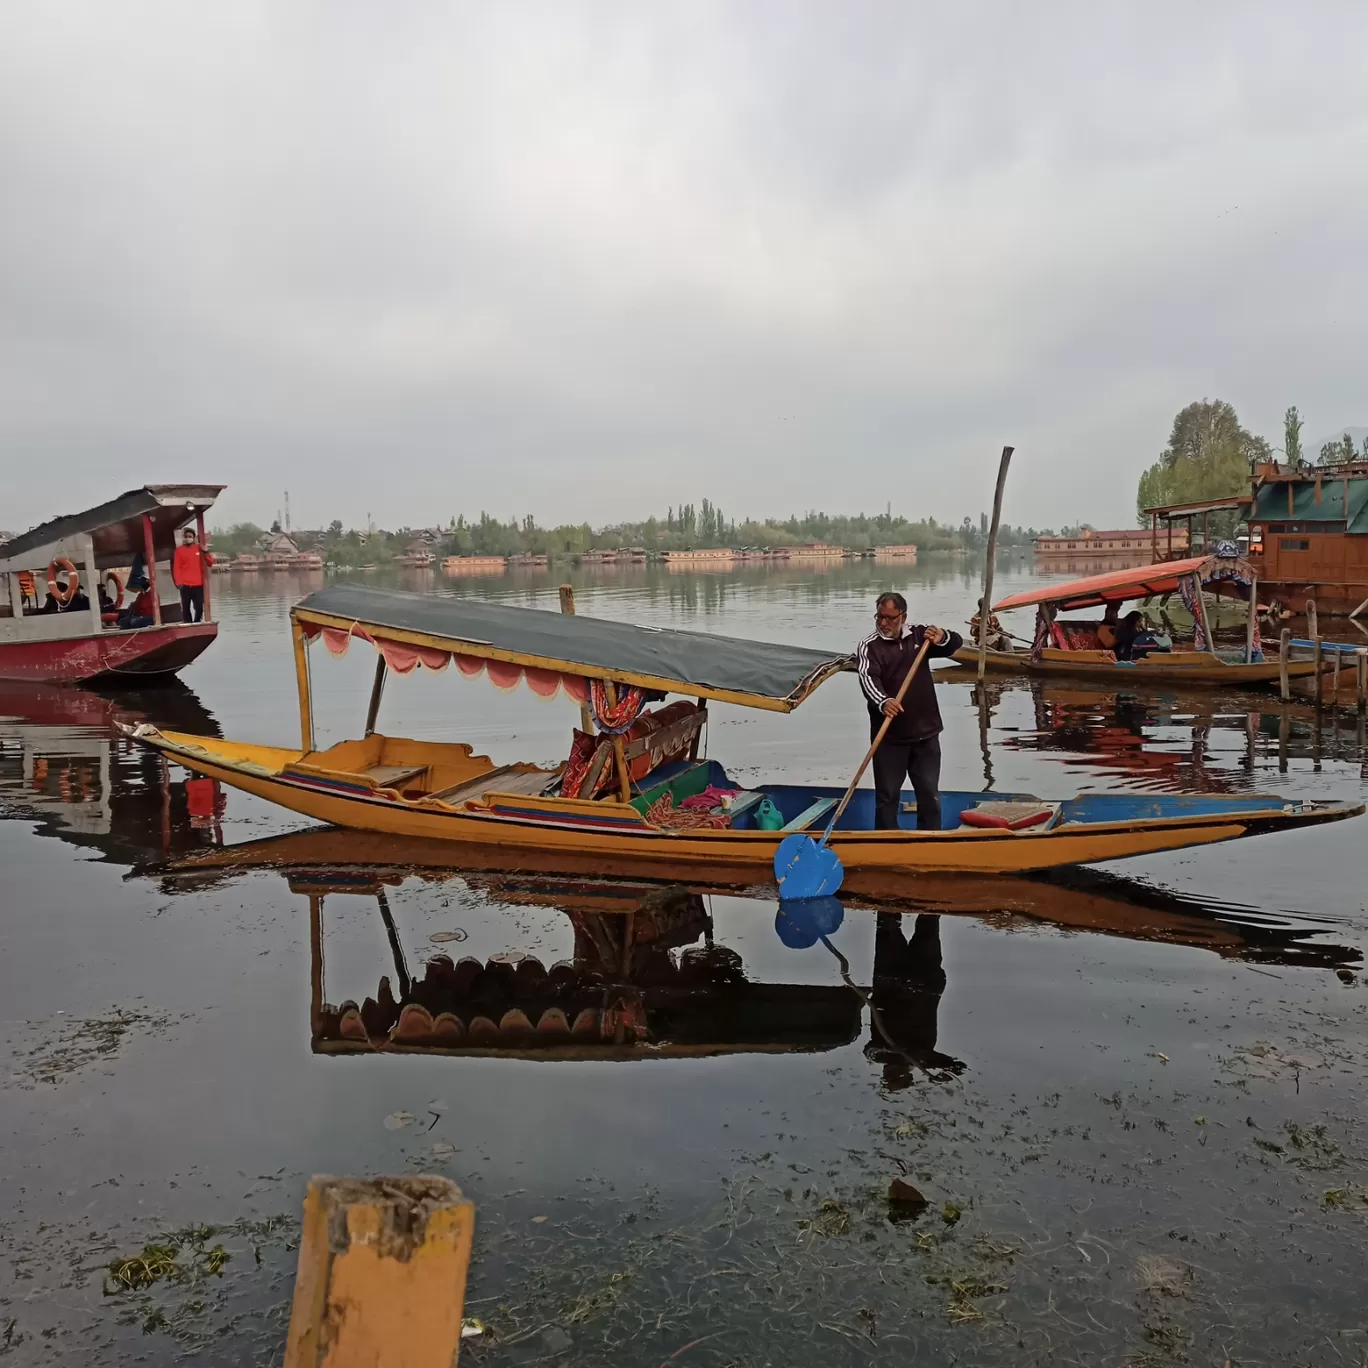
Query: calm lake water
[1131, 1095]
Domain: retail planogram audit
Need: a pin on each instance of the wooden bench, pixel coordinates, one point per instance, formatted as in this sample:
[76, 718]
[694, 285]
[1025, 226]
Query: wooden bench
[809, 815]
[391, 776]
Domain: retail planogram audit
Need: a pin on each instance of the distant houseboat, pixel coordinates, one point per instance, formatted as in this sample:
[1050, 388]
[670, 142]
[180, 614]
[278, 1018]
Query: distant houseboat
[1308, 532]
[906, 554]
[700, 558]
[474, 565]
[1134, 545]
[525, 560]
[816, 551]
[600, 557]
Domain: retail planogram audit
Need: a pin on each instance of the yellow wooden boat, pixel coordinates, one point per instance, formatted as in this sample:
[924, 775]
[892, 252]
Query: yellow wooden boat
[1071, 647]
[635, 789]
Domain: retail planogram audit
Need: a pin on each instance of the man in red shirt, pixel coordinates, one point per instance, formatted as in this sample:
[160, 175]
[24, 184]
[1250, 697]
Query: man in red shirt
[187, 569]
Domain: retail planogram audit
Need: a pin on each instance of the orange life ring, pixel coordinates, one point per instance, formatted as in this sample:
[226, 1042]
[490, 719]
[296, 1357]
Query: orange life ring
[117, 596]
[73, 580]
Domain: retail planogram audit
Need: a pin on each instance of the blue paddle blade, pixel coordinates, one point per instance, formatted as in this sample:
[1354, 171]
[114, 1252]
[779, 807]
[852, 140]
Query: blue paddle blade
[805, 869]
[802, 922]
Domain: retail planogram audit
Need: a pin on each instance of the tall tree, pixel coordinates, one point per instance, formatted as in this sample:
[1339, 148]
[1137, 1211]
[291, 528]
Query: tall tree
[1208, 456]
[1292, 429]
[1332, 453]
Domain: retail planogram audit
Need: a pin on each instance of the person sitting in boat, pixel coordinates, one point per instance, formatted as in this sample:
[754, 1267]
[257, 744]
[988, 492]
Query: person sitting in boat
[1135, 638]
[912, 746]
[998, 640]
[139, 613]
[1108, 627]
[78, 602]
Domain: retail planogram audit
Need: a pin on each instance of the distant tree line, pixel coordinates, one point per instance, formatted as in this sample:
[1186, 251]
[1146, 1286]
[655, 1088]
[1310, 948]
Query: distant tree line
[684, 526]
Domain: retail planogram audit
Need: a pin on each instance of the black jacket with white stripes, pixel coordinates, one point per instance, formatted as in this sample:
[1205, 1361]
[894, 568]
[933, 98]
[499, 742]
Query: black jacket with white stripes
[883, 665]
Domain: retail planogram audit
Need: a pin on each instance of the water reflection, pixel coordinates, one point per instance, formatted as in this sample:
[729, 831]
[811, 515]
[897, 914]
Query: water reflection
[649, 974]
[1181, 743]
[64, 767]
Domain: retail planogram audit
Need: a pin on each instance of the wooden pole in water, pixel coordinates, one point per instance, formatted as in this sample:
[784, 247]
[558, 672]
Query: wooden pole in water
[1312, 625]
[567, 606]
[1252, 619]
[1334, 681]
[1316, 658]
[301, 656]
[1361, 678]
[1284, 692]
[1202, 612]
[987, 608]
[382, 1274]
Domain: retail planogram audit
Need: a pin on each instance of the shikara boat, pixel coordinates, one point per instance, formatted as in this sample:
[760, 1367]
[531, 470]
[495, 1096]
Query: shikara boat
[1072, 647]
[87, 644]
[634, 786]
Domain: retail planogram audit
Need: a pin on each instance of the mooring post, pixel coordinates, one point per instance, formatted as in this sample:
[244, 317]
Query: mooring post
[567, 606]
[382, 1274]
[1284, 692]
[1334, 680]
[986, 607]
[1316, 658]
[1361, 678]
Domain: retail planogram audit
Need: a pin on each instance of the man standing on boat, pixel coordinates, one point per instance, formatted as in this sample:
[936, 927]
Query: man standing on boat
[187, 569]
[912, 746]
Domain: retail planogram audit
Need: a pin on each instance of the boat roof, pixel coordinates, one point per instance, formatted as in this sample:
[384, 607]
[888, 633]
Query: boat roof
[755, 674]
[116, 526]
[1315, 497]
[1116, 586]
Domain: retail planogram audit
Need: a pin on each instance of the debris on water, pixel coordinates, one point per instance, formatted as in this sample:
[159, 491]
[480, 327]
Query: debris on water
[398, 1120]
[439, 937]
[904, 1200]
[1345, 975]
[471, 1328]
[71, 1045]
[539, 1220]
[951, 1212]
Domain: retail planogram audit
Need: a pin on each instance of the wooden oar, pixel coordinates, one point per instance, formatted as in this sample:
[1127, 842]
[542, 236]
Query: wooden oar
[805, 868]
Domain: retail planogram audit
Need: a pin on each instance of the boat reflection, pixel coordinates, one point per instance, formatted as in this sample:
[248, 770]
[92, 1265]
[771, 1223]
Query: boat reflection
[64, 767]
[647, 975]
[1178, 743]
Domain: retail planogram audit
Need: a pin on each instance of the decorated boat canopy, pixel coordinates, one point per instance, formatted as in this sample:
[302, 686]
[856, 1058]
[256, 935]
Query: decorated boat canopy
[1142, 581]
[116, 527]
[553, 650]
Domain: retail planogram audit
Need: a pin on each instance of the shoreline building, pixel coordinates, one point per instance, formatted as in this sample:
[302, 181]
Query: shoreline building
[1133, 545]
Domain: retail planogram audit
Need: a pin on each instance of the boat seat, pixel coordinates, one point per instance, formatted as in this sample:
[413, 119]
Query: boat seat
[743, 802]
[809, 815]
[392, 776]
[472, 788]
[1178, 658]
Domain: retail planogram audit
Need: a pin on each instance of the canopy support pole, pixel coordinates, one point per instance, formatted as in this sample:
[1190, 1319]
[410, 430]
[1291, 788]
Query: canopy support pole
[619, 755]
[377, 691]
[697, 742]
[1201, 610]
[93, 590]
[1251, 619]
[205, 574]
[986, 608]
[150, 556]
[302, 683]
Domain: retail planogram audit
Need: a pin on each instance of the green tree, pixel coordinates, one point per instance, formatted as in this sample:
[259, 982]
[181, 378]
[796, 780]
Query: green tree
[1208, 456]
[1292, 430]
[1332, 453]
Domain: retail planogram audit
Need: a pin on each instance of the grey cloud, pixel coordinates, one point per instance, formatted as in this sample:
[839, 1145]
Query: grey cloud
[584, 260]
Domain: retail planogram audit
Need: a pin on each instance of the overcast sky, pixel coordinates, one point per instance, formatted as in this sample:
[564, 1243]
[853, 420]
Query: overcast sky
[587, 260]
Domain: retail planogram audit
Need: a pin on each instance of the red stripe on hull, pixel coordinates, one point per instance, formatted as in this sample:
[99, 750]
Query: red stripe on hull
[138, 655]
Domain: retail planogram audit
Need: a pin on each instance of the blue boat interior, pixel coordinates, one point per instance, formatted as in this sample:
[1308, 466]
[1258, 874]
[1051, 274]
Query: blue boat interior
[684, 777]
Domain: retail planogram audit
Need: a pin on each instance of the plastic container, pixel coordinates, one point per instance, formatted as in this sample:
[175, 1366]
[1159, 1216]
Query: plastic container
[767, 816]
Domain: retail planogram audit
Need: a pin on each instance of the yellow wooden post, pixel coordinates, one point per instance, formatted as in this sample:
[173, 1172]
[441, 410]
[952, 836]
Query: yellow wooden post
[382, 1274]
[301, 655]
[567, 605]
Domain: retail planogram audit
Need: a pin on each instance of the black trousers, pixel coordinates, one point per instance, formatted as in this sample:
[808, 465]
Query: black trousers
[192, 602]
[918, 761]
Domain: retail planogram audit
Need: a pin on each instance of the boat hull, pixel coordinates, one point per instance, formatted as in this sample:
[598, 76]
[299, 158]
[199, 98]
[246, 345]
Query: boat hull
[1129, 675]
[616, 833]
[137, 656]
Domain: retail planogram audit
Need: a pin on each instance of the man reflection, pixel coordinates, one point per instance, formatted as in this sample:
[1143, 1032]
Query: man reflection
[908, 981]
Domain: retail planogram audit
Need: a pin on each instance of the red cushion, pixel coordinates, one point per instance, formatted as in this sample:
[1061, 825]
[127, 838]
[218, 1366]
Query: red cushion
[973, 817]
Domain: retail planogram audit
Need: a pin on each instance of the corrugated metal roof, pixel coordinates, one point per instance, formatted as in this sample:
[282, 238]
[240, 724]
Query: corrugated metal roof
[1270, 503]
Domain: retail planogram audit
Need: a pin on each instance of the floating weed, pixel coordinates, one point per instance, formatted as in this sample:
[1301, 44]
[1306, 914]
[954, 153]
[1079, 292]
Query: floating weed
[157, 1261]
[1314, 1149]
